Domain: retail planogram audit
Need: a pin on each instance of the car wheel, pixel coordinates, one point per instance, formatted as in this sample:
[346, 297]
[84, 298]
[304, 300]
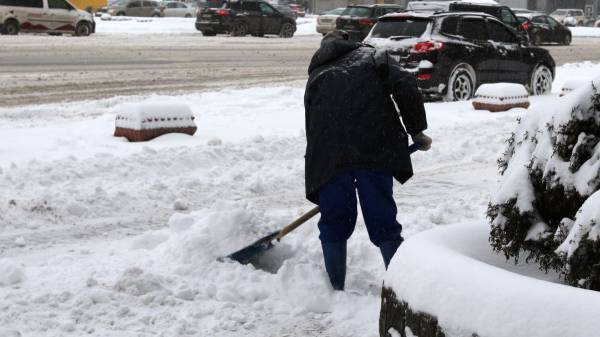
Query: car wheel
[121, 14]
[11, 27]
[239, 29]
[537, 40]
[541, 80]
[188, 15]
[83, 29]
[287, 30]
[461, 84]
[208, 33]
[566, 40]
[155, 15]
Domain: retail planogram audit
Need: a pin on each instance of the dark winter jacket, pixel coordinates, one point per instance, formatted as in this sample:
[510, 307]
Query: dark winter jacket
[351, 122]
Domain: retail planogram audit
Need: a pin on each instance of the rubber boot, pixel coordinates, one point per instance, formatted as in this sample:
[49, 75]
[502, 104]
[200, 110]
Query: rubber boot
[388, 249]
[334, 254]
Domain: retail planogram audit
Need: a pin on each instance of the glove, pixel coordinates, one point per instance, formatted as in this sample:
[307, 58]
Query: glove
[423, 140]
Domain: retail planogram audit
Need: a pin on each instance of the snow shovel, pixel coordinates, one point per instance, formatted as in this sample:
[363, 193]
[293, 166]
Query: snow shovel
[249, 253]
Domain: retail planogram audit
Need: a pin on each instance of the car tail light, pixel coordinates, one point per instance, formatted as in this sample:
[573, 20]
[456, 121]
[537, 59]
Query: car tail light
[366, 22]
[526, 26]
[424, 77]
[338, 20]
[223, 12]
[426, 47]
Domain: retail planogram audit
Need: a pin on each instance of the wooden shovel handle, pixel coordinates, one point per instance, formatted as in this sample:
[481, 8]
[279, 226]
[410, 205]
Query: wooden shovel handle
[304, 218]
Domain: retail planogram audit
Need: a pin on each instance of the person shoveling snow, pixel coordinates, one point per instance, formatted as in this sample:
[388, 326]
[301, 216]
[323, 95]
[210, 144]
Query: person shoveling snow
[356, 142]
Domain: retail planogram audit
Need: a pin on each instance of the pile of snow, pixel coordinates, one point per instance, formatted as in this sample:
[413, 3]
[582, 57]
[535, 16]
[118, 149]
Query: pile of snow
[141, 26]
[550, 168]
[10, 273]
[585, 31]
[452, 274]
[501, 97]
[571, 85]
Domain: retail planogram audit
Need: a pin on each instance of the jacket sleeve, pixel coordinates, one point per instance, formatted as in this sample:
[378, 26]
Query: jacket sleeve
[403, 88]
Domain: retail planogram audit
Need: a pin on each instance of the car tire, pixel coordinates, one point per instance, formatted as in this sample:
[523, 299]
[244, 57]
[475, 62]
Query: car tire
[540, 80]
[83, 29]
[208, 33]
[239, 29]
[537, 40]
[566, 40]
[121, 14]
[156, 15]
[188, 15]
[461, 83]
[11, 27]
[287, 30]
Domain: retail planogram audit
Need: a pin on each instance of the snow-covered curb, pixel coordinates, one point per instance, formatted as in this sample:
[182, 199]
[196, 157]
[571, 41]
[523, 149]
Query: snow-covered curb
[452, 274]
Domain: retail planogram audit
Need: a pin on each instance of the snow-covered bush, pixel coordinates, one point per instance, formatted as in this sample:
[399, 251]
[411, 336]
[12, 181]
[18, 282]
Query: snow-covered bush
[547, 203]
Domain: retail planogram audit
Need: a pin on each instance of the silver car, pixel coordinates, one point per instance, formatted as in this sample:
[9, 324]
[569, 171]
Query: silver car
[137, 8]
[179, 9]
[326, 22]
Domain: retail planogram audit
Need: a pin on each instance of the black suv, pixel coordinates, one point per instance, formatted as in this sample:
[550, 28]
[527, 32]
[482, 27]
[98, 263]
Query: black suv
[452, 53]
[359, 19]
[245, 17]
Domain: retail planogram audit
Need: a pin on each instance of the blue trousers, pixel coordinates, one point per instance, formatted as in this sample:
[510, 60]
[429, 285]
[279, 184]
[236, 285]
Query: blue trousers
[337, 202]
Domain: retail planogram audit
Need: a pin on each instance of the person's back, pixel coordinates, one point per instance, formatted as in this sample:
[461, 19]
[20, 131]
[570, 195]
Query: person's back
[356, 142]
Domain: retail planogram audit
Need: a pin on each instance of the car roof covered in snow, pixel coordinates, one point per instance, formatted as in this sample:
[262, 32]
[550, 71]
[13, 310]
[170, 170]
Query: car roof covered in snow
[425, 15]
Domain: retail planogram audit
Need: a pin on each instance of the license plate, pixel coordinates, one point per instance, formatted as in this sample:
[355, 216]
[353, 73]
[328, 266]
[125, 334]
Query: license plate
[348, 26]
[206, 16]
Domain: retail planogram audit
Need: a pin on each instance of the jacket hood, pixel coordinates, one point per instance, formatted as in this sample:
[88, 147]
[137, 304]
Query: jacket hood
[331, 51]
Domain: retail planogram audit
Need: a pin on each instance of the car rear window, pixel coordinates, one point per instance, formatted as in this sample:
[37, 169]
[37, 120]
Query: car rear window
[357, 11]
[409, 27]
[559, 12]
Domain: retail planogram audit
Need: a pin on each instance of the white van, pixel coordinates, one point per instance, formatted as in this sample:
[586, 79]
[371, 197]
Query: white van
[44, 16]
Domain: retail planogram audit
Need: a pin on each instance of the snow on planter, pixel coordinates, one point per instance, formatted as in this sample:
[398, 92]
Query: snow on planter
[143, 122]
[501, 97]
[571, 85]
[546, 206]
[449, 282]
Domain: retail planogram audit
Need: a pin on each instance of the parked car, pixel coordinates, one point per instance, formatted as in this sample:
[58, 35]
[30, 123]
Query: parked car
[452, 54]
[146, 8]
[240, 18]
[54, 17]
[326, 21]
[298, 10]
[179, 9]
[571, 17]
[358, 20]
[543, 29]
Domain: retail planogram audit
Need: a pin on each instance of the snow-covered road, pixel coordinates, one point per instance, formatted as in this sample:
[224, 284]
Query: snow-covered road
[110, 238]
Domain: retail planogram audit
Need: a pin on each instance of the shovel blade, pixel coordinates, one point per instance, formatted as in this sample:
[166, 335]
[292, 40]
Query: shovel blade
[251, 252]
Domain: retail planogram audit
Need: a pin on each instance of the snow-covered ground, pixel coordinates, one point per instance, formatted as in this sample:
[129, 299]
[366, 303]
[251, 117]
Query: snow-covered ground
[110, 238]
[585, 31]
[133, 25]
